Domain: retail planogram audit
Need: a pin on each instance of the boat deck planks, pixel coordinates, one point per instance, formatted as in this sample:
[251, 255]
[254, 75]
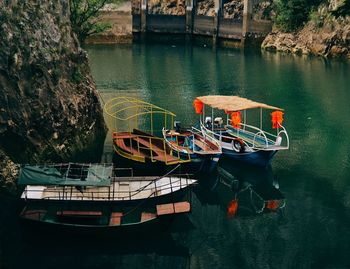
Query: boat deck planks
[161, 154]
[158, 153]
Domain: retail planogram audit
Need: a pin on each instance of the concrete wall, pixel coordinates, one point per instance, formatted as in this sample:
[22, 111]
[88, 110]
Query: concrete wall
[203, 25]
[166, 23]
[230, 29]
[190, 23]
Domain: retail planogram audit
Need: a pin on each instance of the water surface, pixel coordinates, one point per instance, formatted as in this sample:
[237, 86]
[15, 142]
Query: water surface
[312, 231]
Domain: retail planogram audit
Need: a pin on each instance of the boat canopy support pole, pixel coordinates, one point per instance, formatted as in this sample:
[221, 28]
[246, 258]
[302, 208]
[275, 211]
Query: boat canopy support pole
[212, 119]
[203, 114]
[245, 118]
[151, 120]
[260, 118]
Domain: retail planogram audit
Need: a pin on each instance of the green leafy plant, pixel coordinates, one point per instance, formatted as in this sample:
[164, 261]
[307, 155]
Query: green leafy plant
[83, 16]
[316, 18]
[292, 14]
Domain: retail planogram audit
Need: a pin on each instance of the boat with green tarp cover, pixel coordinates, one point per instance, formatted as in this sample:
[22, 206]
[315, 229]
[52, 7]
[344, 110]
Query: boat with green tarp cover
[91, 197]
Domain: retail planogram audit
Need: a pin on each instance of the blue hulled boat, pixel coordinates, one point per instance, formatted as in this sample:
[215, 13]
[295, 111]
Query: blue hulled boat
[239, 140]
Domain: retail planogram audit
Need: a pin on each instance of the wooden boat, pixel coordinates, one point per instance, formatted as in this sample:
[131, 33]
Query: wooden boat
[129, 114]
[239, 140]
[203, 149]
[91, 198]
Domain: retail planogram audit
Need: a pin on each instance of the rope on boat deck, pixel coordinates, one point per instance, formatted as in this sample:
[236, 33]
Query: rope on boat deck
[145, 200]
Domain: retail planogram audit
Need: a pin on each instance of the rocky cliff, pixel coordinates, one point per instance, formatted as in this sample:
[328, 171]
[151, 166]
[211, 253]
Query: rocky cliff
[49, 107]
[323, 35]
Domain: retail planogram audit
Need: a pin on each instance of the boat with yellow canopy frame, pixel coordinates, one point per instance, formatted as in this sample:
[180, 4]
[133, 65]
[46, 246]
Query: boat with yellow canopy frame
[240, 140]
[130, 115]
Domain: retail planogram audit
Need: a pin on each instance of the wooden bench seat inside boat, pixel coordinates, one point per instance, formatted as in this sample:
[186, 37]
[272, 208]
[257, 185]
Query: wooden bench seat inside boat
[206, 146]
[116, 218]
[158, 146]
[173, 208]
[73, 213]
[144, 145]
[36, 214]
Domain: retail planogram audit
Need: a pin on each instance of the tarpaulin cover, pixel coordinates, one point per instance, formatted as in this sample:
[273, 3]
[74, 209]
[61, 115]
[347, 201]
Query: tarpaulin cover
[90, 175]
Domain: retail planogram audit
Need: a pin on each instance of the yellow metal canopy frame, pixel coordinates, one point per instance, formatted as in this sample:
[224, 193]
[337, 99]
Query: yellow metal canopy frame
[128, 109]
[233, 103]
[117, 108]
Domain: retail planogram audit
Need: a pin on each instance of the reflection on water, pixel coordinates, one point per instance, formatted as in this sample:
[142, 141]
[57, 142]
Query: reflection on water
[114, 253]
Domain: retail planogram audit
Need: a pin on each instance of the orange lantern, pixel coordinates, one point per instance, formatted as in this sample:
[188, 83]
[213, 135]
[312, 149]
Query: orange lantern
[236, 119]
[277, 119]
[198, 106]
[232, 208]
[272, 205]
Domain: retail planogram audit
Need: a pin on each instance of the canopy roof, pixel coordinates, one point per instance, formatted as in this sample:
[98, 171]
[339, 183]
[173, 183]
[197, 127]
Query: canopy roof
[125, 108]
[232, 103]
[66, 175]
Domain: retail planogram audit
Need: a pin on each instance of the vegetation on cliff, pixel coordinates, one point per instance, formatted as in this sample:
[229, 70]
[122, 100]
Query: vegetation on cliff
[322, 30]
[293, 14]
[83, 16]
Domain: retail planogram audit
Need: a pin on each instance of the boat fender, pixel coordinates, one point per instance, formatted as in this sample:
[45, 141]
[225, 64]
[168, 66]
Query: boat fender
[238, 145]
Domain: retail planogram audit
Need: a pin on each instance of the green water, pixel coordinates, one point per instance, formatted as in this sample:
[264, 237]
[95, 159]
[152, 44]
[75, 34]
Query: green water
[312, 231]
[314, 175]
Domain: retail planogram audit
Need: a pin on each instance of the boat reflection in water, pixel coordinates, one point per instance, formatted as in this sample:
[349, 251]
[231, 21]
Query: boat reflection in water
[90, 252]
[242, 189]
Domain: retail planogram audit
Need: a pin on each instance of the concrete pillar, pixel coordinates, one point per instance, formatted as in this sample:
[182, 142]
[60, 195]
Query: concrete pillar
[217, 7]
[189, 17]
[247, 14]
[144, 10]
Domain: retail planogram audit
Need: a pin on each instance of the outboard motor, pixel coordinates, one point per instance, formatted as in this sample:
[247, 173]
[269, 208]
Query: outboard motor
[218, 121]
[208, 122]
[177, 126]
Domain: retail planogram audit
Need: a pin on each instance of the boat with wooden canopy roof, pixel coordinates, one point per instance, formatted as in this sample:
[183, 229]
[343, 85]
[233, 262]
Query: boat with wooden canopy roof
[91, 197]
[255, 142]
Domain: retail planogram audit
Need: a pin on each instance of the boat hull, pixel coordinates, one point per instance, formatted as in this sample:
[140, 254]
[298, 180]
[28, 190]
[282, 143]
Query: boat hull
[260, 158]
[30, 227]
[158, 168]
[201, 163]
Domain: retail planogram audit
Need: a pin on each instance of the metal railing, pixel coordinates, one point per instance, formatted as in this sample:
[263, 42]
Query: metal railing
[253, 137]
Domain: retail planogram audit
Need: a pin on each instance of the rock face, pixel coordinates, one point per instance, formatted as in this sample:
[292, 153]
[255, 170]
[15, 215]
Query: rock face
[206, 8]
[49, 107]
[233, 10]
[324, 36]
[169, 7]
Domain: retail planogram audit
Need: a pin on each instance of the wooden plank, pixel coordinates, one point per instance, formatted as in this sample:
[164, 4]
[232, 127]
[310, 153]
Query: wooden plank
[147, 216]
[79, 213]
[173, 208]
[165, 209]
[33, 214]
[182, 207]
[116, 218]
